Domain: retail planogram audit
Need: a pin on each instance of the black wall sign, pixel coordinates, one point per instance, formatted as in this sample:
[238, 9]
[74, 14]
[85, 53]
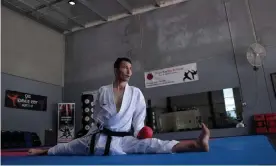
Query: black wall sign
[20, 100]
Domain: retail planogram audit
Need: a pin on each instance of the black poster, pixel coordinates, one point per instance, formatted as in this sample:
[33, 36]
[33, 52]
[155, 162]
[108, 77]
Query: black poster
[20, 100]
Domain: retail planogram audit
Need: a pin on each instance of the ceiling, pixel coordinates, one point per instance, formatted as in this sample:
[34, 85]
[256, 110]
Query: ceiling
[66, 18]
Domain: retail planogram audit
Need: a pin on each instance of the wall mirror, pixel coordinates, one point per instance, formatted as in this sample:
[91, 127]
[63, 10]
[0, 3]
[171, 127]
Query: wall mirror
[217, 109]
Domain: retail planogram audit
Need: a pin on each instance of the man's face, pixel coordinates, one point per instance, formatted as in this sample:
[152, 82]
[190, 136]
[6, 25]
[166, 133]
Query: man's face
[124, 72]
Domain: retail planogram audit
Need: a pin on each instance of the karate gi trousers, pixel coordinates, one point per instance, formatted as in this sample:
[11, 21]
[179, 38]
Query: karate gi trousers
[119, 146]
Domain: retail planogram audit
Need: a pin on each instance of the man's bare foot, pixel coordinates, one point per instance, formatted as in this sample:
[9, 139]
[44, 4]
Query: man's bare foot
[203, 139]
[199, 145]
[37, 152]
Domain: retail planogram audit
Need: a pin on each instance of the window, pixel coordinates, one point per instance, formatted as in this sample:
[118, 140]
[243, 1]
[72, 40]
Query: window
[229, 100]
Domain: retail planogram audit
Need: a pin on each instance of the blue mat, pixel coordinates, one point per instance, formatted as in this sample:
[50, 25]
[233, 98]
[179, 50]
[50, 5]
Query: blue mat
[232, 150]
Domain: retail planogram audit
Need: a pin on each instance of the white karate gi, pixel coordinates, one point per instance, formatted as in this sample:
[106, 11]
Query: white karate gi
[132, 113]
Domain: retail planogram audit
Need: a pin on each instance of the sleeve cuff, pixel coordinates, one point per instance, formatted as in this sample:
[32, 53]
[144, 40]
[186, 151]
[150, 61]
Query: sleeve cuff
[137, 130]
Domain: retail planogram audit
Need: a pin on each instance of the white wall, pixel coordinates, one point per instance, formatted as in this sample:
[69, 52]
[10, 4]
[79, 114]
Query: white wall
[31, 50]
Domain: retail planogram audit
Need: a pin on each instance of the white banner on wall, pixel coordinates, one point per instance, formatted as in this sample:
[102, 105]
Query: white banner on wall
[172, 75]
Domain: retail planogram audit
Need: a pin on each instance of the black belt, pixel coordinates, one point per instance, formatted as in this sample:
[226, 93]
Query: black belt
[109, 134]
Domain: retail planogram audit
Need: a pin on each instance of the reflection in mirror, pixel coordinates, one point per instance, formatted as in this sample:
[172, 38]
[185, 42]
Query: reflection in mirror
[217, 109]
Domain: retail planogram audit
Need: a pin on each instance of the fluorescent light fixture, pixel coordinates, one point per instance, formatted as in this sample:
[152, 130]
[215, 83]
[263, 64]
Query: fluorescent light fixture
[71, 2]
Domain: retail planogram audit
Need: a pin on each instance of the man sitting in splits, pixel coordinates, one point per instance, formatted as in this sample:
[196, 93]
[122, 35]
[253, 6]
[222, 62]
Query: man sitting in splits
[120, 107]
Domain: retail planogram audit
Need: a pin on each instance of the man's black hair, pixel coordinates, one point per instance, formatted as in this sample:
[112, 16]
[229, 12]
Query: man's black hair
[119, 60]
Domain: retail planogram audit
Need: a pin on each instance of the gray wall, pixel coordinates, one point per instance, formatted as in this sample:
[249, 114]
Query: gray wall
[31, 50]
[215, 34]
[264, 15]
[32, 61]
[28, 120]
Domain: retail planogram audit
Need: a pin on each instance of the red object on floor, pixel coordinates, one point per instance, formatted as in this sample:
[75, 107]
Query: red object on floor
[261, 130]
[145, 132]
[270, 117]
[18, 151]
[259, 117]
[14, 153]
[272, 130]
[265, 123]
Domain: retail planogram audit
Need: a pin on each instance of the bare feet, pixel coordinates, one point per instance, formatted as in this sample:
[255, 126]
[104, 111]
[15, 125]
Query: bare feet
[201, 144]
[37, 152]
[203, 139]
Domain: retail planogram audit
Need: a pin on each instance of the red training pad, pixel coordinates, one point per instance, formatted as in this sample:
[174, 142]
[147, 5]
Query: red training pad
[14, 153]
